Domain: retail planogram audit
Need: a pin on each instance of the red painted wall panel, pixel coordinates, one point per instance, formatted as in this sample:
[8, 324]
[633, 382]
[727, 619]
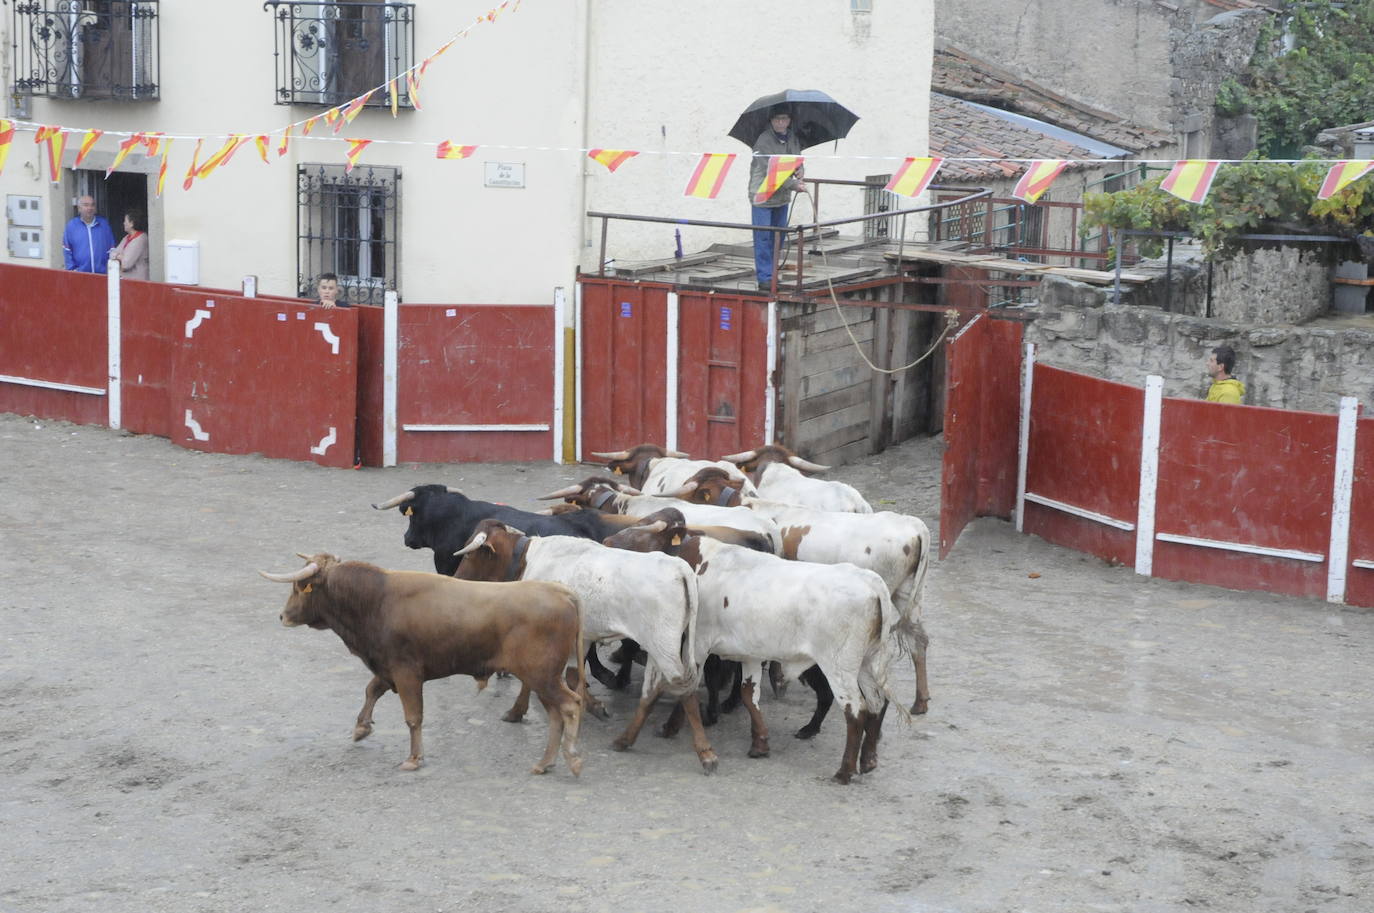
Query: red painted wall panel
[53, 328]
[371, 383]
[147, 341]
[1359, 582]
[981, 425]
[722, 373]
[260, 377]
[623, 339]
[474, 364]
[1245, 474]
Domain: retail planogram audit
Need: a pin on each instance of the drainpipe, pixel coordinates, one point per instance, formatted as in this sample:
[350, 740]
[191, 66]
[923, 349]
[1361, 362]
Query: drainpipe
[586, 129]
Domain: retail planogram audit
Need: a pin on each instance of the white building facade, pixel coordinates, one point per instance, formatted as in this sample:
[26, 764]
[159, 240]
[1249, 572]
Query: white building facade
[533, 87]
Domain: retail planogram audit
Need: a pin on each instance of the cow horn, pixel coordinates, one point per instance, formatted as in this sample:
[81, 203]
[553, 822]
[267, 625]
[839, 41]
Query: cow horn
[677, 454]
[308, 571]
[626, 489]
[806, 465]
[684, 491]
[657, 526]
[744, 457]
[618, 455]
[399, 499]
[561, 493]
[477, 542]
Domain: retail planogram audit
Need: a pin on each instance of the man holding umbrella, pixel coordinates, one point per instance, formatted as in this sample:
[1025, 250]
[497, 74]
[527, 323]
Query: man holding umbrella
[790, 121]
[777, 139]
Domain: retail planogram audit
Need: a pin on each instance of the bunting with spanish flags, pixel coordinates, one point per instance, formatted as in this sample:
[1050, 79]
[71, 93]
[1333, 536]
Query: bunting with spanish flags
[125, 147]
[309, 125]
[56, 138]
[331, 117]
[391, 91]
[191, 172]
[1038, 178]
[6, 137]
[285, 142]
[162, 169]
[87, 142]
[611, 158]
[914, 176]
[709, 175]
[780, 170]
[355, 149]
[1191, 180]
[448, 150]
[1341, 175]
[222, 157]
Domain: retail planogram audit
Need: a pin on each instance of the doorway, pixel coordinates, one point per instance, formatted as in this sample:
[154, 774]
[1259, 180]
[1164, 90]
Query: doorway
[114, 196]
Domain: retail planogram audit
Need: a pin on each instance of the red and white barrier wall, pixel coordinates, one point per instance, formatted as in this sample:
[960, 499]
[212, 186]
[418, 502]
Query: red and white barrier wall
[1236, 496]
[222, 371]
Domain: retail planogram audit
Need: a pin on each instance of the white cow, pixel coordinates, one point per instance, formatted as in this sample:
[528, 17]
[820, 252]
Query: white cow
[655, 471]
[777, 472]
[651, 599]
[756, 607]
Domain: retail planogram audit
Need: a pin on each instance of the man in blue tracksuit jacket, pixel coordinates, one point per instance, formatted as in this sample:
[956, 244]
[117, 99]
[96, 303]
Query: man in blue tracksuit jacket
[87, 240]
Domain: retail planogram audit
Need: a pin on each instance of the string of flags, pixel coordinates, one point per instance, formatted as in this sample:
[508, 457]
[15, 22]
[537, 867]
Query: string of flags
[1190, 180]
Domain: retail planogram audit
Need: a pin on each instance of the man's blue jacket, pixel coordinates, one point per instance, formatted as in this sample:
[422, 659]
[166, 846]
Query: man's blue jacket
[86, 248]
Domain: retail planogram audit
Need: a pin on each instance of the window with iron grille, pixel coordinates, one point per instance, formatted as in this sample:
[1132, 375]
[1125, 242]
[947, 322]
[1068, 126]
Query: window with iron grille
[876, 200]
[349, 224]
[94, 49]
[331, 53]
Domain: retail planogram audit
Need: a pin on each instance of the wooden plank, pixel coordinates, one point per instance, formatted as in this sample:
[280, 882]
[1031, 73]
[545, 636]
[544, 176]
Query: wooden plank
[839, 456]
[840, 338]
[880, 422]
[855, 415]
[641, 267]
[838, 379]
[829, 360]
[826, 442]
[827, 319]
[833, 401]
[792, 344]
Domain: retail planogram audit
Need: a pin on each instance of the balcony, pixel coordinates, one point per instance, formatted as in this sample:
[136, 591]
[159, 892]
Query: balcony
[330, 53]
[104, 50]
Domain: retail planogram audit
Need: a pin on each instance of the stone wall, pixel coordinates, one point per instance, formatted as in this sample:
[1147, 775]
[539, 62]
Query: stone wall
[1202, 57]
[1266, 287]
[1283, 367]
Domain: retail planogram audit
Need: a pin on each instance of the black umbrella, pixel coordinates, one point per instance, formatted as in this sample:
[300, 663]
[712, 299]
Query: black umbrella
[816, 117]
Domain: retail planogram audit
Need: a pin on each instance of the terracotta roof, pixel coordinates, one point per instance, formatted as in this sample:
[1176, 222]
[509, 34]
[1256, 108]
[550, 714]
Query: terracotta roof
[959, 129]
[1235, 4]
[963, 76]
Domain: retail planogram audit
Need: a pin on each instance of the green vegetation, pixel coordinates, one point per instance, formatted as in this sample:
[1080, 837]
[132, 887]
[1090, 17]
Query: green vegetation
[1247, 198]
[1325, 80]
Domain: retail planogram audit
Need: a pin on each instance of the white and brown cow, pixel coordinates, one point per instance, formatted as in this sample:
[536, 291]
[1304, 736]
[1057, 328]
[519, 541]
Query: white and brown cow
[648, 598]
[778, 474]
[409, 627]
[654, 471]
[756, 607]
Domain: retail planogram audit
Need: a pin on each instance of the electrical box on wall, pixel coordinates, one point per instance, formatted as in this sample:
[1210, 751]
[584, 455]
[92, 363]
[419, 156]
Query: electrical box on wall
[24, 221]
[183, 262]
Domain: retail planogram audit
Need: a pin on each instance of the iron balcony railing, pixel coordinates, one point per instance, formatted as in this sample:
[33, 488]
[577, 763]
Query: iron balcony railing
[92, 49]
[330, 53]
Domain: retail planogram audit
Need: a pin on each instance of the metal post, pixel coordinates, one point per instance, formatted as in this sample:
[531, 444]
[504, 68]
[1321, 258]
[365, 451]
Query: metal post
[1169, 277]
[601, 260]
[1116, 283]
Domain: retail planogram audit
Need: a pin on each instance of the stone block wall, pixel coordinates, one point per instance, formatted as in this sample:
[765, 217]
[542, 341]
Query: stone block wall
[1284, 367]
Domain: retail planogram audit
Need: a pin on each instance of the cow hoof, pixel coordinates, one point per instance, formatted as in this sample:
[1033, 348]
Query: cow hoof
[843, 778]
[664, 732]
[868, 766]
[410, 764]
[539, 769]
[808, 732]
[362, 731]
[920, 706]
[598, 710]
[709, 762]
[620, 744]
[511, 716]
[575, 765]
[756, 751]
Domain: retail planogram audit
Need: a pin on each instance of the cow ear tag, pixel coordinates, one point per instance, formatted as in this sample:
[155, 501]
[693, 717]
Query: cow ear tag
[677, 540]
[307, 588]
[410, 511]
[708, 496]
[616, 471]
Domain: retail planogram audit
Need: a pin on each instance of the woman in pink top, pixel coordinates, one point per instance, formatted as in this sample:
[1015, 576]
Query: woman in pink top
[132, 252]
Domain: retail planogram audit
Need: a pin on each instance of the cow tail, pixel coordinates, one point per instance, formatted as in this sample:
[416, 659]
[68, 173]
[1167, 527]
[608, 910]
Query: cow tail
[912, 607]
[581, 651]
[689, 637]
[891, 640]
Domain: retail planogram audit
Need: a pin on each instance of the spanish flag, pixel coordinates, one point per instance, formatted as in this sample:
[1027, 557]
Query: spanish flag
[391, 91]
[222, 157]
[413, 89]
[86, 143]
[355, 149]
[1191, 180]
[191, 172]
[6, 137]
[448, 150]
[352, 110]
[915, 175]
[125, 147]
[1038, 178]
[780, 169]
[262, 147]
[162, 169]
[1343, 174]
[152, 142]
[310, 123]
[709, 175]
[285, 141]
[332, 117]
[611, 158]
[56, 138]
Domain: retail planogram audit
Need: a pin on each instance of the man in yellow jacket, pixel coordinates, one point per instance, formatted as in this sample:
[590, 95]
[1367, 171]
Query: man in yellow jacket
[1225, 388]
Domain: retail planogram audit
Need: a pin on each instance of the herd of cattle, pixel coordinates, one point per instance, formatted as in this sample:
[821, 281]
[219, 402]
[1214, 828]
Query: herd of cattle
[712, 573]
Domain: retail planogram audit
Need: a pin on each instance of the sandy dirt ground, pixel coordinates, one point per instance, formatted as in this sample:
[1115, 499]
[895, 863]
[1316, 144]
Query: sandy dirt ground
[1096, 741]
